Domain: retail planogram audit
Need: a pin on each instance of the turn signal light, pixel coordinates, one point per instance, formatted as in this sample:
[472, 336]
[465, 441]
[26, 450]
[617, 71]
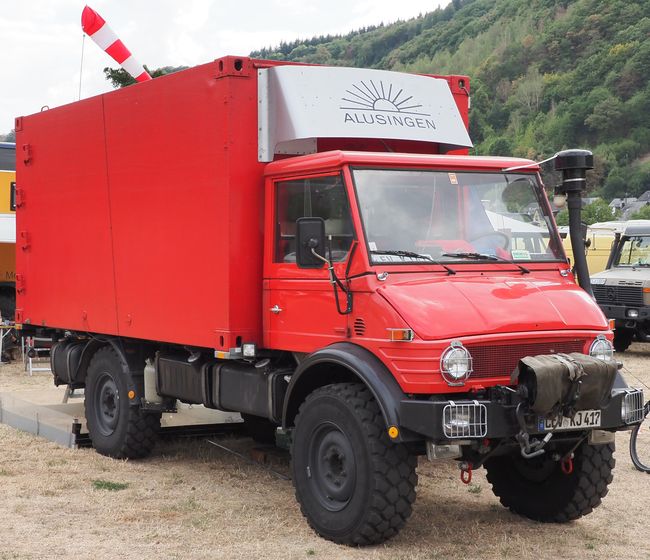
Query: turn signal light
[612, 324]
[400, 335]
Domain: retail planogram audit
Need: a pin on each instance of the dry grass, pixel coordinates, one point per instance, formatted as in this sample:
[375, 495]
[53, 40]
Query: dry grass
[191, 500]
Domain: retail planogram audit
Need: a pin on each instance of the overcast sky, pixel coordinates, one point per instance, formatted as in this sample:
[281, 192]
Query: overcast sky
[41, 40]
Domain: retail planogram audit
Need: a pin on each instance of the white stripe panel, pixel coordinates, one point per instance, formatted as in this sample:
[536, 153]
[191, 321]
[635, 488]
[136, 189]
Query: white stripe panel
[104, 37]
[7, 228]
[132, 66]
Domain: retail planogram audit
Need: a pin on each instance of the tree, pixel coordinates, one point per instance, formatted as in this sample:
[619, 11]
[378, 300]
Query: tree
[598, 211]
[121, 78]
[9, 137]
[643, 214]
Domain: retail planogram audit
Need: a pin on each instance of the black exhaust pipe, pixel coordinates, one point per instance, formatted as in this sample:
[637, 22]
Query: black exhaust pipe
[574, 165]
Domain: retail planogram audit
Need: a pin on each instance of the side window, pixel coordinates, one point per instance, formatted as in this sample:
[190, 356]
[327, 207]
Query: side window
[322, 197]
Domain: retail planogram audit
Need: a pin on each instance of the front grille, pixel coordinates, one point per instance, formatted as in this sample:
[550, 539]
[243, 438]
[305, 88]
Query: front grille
[501, 359]
[624, 295]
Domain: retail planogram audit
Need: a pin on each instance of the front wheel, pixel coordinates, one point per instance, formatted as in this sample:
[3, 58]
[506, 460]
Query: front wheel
[538, 488]
[353, 484]
[116, 428]
[642, 333]
[622, 339]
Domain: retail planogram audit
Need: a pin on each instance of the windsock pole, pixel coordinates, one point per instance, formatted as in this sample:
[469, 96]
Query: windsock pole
[99, 31]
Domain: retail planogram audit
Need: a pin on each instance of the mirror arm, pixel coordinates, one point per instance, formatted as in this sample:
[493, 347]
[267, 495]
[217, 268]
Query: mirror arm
[335, 281]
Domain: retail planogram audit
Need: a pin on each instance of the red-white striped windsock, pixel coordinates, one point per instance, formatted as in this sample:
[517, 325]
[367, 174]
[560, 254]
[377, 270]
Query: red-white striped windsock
[99, 31]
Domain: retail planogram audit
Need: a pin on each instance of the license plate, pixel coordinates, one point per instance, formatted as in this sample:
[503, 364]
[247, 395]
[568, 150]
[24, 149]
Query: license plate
[582, 419]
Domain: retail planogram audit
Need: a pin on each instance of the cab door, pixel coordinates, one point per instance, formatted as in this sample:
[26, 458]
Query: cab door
[300, 308]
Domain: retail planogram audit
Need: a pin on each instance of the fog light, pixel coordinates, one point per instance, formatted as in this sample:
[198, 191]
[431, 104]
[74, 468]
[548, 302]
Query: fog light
[632, 406]
[248, 350]
[632, 313]
[464, 420]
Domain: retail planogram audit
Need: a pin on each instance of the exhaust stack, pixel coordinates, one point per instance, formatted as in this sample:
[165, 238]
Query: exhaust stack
[574, 165]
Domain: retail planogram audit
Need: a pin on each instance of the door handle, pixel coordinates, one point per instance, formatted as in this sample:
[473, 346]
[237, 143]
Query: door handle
[276, 309]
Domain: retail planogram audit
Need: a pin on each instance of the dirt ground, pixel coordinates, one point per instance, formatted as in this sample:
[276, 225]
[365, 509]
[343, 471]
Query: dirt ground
[191, 500]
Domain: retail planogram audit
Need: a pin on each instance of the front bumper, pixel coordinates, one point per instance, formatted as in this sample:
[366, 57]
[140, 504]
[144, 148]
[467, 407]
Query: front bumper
[619, 312]
[495, 420]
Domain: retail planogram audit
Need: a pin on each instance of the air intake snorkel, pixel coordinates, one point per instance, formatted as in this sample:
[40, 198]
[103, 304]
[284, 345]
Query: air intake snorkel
[574, 165]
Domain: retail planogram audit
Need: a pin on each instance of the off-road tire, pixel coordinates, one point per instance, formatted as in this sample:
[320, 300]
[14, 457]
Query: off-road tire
[116, 427]
[261, 430]
[622, 339]
[642, 333]
[340, 437]
[538, 489]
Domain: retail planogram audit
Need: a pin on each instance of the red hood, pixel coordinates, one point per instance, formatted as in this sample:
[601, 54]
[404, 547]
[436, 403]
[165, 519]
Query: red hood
[439, 308]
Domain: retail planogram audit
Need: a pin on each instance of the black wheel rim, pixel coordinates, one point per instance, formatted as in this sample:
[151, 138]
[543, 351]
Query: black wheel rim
[107, 404]
[332, 469]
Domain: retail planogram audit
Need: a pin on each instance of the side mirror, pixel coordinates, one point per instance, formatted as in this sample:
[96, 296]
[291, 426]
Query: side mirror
[310, 234]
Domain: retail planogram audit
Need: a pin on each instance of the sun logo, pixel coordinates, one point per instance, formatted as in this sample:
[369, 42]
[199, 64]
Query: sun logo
[380, 97]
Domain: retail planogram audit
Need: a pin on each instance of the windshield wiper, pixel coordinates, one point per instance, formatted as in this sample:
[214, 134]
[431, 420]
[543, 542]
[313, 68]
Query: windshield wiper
[412, 255]
[485, 257]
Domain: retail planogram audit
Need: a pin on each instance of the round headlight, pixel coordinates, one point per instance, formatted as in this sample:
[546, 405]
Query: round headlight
[456, 364]
[602, 349]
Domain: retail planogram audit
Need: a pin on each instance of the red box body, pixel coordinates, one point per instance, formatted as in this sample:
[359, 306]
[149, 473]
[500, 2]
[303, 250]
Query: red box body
[156, 196]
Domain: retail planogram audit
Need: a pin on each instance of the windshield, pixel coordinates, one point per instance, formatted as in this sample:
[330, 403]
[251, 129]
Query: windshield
[635, 251]
[452, 216]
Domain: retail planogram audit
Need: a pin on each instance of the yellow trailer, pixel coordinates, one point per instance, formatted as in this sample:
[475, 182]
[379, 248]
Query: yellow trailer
[7, 230]
[599, 239]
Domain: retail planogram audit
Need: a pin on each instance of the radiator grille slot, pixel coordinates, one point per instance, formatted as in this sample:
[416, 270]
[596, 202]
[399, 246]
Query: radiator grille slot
[501, 359]
[626, 295]
[359, 326]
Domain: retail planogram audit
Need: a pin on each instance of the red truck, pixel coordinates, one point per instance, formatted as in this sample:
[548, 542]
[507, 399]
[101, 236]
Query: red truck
[314, 248]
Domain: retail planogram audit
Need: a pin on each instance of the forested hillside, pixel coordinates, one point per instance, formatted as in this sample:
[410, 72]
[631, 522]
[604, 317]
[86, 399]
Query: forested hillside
[545, 75]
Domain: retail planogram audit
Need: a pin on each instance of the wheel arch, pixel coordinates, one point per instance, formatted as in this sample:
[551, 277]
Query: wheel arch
[339, 363]
[129, 357]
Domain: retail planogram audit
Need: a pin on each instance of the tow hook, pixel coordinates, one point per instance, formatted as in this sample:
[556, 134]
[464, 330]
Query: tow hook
[529, 449]
[567, 464]
[465, 472]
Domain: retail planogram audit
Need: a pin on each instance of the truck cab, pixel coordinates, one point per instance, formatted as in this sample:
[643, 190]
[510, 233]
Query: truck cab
[623, 289]
[427, 255]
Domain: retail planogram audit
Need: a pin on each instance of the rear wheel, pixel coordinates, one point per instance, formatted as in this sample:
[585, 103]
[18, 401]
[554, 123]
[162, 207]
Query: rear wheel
[117, 428]
[354, 486]
[537, 488]
[623, 339]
